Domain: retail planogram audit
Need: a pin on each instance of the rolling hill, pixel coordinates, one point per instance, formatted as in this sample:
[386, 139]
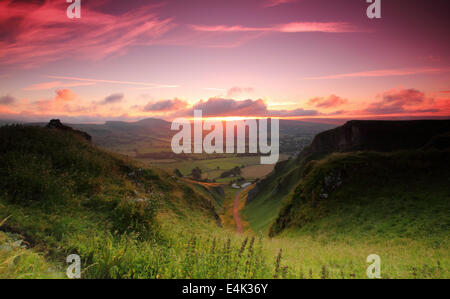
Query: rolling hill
[150, 138]
[61, 195]
[384, 166]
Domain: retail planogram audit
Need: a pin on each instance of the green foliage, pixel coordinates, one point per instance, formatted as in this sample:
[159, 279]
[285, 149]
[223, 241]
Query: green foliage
[149, 174]
[177, 172]
[196, 173]
[183, 256]
[236, 171]
[16, 261]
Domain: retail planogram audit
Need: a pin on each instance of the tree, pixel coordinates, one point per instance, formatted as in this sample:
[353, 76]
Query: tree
[196, 173]
[177, 172]
[236, 171]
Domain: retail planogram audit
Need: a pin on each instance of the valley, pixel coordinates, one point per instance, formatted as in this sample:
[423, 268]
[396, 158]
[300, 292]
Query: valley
[318, 213]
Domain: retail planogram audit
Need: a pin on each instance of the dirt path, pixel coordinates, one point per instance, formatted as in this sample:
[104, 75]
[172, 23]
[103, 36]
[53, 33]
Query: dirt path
[237, 219]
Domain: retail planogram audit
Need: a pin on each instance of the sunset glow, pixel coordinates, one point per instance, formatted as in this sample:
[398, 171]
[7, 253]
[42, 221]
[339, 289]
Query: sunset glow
[232, 59]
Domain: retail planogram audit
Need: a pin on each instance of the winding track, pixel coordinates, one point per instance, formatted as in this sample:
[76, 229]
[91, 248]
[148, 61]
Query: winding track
[237, 219]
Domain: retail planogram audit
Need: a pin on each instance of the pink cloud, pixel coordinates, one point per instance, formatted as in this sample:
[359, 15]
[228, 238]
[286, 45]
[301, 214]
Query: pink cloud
[231, 36]
[402, 101]
[90, 80]
[330, 102]
[384, 73]
[112, 99]
[40, 33]
[65, 95]
[55, 84]
[234, 91]
[230, 107]
[273, 3]
[393, 103]
[165, 105]
[294, 27]
[60, 103]
[7, 100]
[218, 107]
[331, 27]
[224, 28]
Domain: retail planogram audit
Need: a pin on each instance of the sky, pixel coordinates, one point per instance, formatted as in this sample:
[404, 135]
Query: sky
[293, 59]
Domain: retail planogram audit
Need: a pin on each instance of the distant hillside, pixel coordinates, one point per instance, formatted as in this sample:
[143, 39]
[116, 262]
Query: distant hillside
[378, 135]
[150, 138]
[9, 121]
[131, 138]
[278, 202]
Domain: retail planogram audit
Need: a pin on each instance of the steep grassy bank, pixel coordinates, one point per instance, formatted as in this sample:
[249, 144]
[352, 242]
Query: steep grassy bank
[400, 194]
[347, 206]
[61, 195]
[265, 199]
[331, 210]
[311, 174]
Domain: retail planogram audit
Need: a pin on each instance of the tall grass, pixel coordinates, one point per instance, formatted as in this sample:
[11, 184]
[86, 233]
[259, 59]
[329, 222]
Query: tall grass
[16, 261]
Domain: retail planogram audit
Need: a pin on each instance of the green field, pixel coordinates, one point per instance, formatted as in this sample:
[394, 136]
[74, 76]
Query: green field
[211, 168]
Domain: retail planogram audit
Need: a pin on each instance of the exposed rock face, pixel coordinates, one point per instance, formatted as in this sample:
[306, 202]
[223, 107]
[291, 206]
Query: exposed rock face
[56, 124]
[378, 136]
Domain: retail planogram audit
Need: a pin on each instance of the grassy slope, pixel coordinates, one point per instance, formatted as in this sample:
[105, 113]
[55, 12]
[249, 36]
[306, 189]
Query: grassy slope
[401, 194]
[393, 204]
[62, 195]
[272, 191]
[16, 261]
[375, 185]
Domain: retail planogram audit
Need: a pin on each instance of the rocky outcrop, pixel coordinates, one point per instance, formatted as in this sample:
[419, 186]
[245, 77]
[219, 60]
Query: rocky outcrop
[378, 136]
[56, 124]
